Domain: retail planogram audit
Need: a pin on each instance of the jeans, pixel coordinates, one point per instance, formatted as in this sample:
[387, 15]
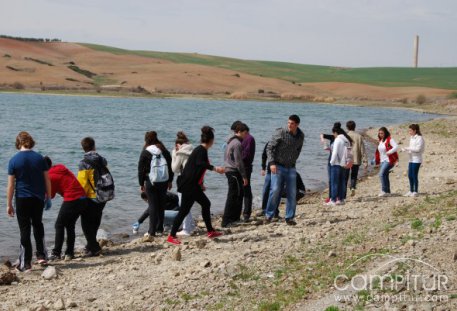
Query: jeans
[287, 176]
[266, 194]
[234, 202]
[157, 199]
[353, 174]
[188, 199]
[329, 168]
[91, 218]
[413, 175]
[384, 176]
[29, 213]
[66, 220]
[247, 191]
[338, 181]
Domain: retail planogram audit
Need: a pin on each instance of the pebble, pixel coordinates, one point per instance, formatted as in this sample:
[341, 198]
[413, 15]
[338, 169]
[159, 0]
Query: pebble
[49, 273]
[176, 254]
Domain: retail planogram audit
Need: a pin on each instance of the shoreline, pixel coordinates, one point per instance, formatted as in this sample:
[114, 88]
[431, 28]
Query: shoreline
[230, 272]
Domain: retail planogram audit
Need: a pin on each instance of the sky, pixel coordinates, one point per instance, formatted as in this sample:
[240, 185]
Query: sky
[352, 33]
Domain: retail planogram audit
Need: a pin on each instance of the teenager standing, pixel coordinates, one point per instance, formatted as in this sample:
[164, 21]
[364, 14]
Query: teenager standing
[415, 150]
[156, 191]
[190, 185]
[359, 156]
[248, 147]
[28, 182]
[386, 156]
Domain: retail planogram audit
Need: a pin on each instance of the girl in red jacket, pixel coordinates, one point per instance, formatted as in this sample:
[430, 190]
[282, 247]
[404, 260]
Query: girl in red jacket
[386, 156]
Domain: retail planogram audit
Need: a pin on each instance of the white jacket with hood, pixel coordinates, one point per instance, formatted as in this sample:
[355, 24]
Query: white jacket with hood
[179, 158]
[339, 151]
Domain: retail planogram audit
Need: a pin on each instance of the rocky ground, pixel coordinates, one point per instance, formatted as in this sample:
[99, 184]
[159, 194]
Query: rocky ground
[279, 267]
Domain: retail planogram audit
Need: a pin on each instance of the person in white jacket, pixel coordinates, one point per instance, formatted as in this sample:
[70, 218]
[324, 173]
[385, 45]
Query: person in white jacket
[415, 150]
[179, 157]
[341, 158]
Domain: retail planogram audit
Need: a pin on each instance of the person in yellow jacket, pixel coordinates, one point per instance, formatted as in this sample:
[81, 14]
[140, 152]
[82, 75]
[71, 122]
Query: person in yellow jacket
[91, 216]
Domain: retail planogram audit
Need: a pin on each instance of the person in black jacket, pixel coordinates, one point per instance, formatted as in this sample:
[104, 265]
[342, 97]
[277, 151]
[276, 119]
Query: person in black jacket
[157, 191]
[190, 184]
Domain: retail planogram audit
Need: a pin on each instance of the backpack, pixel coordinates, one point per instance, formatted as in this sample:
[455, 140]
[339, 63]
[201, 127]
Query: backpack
[349, 157]
[159, 166]
[103, 180]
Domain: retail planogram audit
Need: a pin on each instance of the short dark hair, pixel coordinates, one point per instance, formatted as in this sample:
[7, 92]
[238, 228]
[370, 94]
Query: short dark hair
[235, 124]
[48, 161]
[88, 144]
[241, 127]
[295, 118]
[207, 134]
[350, 125]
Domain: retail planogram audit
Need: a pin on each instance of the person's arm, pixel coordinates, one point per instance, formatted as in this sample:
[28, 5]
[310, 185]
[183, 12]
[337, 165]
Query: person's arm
[238, 157]
[202, 161]
[171, 175]
[9, 195]
[264, 158]
[394, 147]
[47, 181]
[418, 146]
[142, 167]
[176, 162]
[271, 148]
[334, 158]
[329, 137]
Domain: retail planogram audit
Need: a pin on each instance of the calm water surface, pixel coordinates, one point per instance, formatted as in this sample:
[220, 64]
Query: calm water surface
[58, 123]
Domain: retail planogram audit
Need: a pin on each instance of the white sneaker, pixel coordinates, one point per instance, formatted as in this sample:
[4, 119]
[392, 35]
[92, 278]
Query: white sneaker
[330, 203]
[383, 194]
[408, 194]
[414, 194]
[340, 202]
[183, 233]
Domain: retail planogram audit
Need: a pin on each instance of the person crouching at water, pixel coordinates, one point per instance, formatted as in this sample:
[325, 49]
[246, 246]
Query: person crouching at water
[65, 183]
[236, 176]
[415, 150]
[341, 159]
[28, 181]
[386, 156]
[190, 185]
[155, 177]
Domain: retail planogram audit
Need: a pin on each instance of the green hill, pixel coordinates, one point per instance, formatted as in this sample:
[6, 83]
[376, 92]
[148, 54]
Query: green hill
[444, 78]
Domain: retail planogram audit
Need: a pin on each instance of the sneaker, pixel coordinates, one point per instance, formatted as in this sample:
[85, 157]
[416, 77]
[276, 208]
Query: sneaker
[173, 240]
[267, 221]
[408, 194]
[69, 257]
[340, 202]
[352, 192]
[183, 233]
[414, 194]
[327, 200]
[260, 213]
[291, 222]
[214, 234]
[42, 261]
[277, 217]
[54, 257]
[27, 268]
[330, 203]
[383, 194]
[88, 253]
[135, 227]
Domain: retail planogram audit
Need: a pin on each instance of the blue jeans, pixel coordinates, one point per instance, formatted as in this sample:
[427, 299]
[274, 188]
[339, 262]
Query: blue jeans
[338, 182]
[266, 194]
[169, 217]
[287, 176]
[413, 175]
[384, 176]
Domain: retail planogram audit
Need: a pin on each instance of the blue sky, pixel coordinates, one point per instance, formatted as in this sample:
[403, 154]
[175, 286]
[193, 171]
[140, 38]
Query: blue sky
[357, 33]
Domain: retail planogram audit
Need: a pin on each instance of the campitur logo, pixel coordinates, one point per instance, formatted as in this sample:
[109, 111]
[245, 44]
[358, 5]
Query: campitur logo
[396, 279]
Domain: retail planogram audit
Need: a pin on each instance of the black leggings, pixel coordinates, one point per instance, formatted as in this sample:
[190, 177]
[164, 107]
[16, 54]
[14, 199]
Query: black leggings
[157, 199]
[91, 217]
[66, 220]
[187, 200]
[29, 213]
[234, 203]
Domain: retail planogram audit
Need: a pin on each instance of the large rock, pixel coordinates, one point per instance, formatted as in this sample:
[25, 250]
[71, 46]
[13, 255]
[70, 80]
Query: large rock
[6, 276]
[176, 254]
[49, 273]
[59, 304]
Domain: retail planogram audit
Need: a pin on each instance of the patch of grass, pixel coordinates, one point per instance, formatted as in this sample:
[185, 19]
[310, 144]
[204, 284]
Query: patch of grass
[451, 218]
[42, 62]
[445, 78]
[81, 71]
[245, 274]
[354, 238]
[417, 224]
[6, 55]
[332, 308]
[437, 223]
[269, 306]
[421, 99]
[453, 95]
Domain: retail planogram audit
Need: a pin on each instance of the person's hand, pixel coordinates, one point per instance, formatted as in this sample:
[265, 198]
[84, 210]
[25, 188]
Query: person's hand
[203, 187]
[10, 210]
[47, 204]
[262, 172]
[142, 189]
[273, 169]
[245, 182]
[322, 137]
[177, 146]
[170, 185]
[220, 170]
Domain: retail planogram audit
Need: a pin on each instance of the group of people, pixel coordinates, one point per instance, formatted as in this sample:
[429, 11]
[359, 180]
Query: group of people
[348, 153]
[33, 181]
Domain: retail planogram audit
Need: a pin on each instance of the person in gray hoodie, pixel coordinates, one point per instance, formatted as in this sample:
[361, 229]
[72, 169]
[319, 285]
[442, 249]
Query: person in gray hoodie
[236, 176]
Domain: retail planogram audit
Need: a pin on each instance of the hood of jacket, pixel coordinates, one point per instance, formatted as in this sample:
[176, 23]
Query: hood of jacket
[153, 149]
[58, 169]
[345, 140]
[186, 149]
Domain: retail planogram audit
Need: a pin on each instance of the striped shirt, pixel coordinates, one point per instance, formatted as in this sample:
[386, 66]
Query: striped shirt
[284, 147]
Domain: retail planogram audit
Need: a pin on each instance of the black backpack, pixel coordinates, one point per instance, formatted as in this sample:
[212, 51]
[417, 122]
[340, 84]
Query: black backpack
[104, 182]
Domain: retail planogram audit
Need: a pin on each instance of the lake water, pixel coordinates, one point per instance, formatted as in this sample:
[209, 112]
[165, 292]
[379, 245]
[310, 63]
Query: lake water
[58, 123]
